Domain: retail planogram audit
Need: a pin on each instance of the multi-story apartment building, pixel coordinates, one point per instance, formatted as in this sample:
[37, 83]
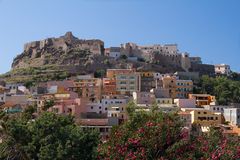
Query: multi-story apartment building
[217, 108]
[143, 98]
[117, 113]
[127, 83]
[109, 86]
[203, 99]
[95, 108]
[13, 87]
[88, 87]
[232, 115]
[205, 117]
[147, 81]
[160, 92]
[222, 69]
[183, 88]
[169, 82]
[67, 107]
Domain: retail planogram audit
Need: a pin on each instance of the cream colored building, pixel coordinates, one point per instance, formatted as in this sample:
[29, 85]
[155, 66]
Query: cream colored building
[205, 117]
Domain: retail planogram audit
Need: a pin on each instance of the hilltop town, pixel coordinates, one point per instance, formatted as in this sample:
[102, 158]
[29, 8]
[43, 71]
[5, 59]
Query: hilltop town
[94, 84]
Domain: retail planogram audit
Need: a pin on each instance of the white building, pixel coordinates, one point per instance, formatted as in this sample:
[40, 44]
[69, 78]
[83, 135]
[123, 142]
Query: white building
[95, 108]
[216, 108]
[115, 52]
[222, 69]
[113, 102]
[232, 115]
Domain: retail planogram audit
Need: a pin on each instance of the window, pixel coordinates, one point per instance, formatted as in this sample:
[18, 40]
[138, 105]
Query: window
[91, 107]
[199, 112]
[106, 109]
[100, 107]
[205, 112]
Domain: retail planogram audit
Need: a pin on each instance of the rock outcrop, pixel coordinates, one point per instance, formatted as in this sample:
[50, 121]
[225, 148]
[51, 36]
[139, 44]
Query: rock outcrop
[65, 50]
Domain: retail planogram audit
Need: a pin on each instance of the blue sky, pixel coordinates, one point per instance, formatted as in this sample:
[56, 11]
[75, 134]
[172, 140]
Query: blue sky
[206, 28]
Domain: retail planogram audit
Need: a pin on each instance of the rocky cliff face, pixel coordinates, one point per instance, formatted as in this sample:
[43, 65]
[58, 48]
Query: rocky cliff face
[66, 50]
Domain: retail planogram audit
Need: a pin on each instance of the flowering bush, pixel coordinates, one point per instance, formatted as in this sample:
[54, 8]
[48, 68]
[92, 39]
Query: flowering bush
[162, 136]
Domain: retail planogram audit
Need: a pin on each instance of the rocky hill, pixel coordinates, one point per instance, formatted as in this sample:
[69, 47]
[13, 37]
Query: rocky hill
[59, 58]
[66, 50]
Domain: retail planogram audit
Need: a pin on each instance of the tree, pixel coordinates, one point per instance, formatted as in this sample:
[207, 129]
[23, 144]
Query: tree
[47, 104]
[99, 73]
[226, 90]
[50, 136]
[123, 56]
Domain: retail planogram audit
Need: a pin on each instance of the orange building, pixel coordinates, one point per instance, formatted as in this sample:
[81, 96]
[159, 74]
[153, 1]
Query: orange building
[88, 87]
[203, 99]
[109, 86]
[111, 73]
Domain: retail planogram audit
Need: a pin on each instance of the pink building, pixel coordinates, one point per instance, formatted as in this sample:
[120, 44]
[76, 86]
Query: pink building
[73, 107]
[146, 98]
[185, 103]
[67, 102]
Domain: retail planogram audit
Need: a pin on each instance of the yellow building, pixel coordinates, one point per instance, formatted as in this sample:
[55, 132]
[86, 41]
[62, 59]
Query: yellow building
[169, 82]
[203, 99]
[205, 117]
[127, 83]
